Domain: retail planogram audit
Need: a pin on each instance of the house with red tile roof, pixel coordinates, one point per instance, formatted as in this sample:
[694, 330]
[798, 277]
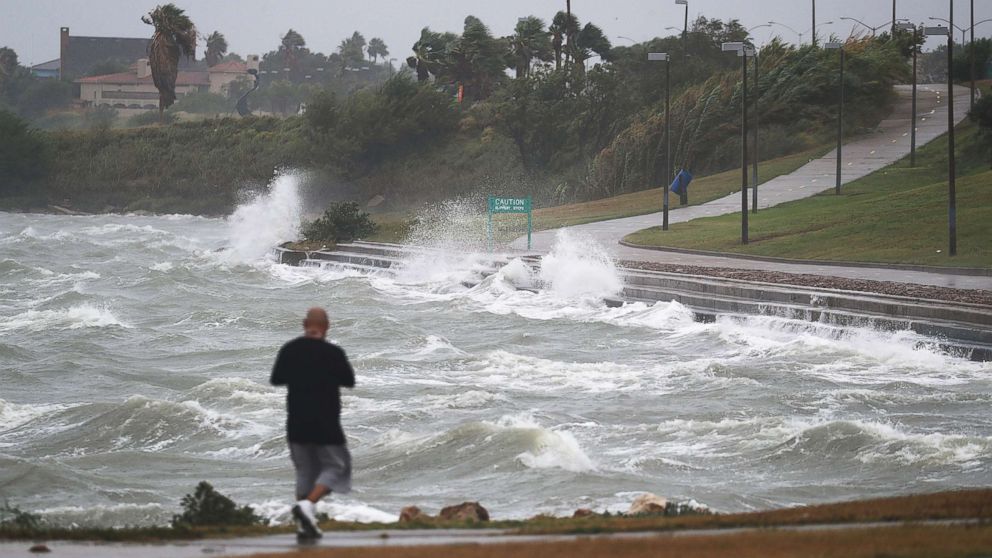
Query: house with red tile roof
[134, 90]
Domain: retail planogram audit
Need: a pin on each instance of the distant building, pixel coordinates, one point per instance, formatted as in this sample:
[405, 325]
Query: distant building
[46, 70]
[79, 56]
[134, 91]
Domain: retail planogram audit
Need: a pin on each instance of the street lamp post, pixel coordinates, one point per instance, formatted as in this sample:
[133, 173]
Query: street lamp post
[813, 29]
[685, 28]
[964, 38]
[757, 92]
[790, 29]
[663, 57]
[743, 52]
[814, 24]
[840, 115]
[893, 17]
[874, 29]
[951, 194]
[912, 120]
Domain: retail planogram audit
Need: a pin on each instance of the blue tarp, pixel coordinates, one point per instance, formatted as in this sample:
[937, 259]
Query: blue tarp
[681, 182]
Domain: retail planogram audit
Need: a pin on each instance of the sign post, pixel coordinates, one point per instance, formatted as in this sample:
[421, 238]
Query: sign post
[510, 205]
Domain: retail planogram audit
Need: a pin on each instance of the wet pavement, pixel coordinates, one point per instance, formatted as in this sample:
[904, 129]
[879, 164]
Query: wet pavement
[861, 156]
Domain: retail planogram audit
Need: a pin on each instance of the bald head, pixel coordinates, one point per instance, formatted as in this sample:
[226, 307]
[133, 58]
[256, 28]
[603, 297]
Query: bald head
[316, 323]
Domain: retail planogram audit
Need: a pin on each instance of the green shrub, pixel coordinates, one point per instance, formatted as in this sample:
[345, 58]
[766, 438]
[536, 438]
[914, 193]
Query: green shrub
[207, 507]
[342, 222]
[203, 103]
[150, 118]
[24, 154]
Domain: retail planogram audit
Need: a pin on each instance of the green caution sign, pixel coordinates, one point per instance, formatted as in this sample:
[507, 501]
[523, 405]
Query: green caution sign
[510, 205]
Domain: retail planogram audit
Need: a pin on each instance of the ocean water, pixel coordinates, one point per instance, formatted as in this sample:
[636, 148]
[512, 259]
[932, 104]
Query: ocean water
[135, 353]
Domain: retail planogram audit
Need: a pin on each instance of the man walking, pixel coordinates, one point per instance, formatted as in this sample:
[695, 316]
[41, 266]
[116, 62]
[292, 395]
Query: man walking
[314, 370]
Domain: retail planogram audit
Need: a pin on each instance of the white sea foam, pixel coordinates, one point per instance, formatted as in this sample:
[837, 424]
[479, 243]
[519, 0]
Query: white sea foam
[258, 226]
[553, 448]
[13, 415]
[278, 511]
[579, 267]
[75, 317]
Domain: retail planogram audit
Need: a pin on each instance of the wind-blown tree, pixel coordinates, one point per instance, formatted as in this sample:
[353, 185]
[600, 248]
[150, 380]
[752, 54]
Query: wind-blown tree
[216, 48]
[293, 49]
[377, 48]
[352, 50]
[8, 66]
[174, 34]
[477, 59]
[564, 27]
[590, 41]
[429, 54]
[530, 41]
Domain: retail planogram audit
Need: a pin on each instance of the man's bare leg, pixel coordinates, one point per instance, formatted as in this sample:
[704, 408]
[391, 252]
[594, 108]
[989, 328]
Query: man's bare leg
[318, 492]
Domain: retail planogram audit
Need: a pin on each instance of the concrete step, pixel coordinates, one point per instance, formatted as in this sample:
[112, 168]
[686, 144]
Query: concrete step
[716, 304]
[869, 303]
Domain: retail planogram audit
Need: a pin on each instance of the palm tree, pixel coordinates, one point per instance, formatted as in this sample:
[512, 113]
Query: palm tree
[529, 41]
[216, 48]
[174, 34]
[377, 48]
[430, 54]
[352, 50]
[292, 40]
[291, 47]
[563, 29]
[477, 60]
[589, 41]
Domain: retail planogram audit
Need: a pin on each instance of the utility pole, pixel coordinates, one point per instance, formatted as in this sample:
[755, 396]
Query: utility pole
[840, 115]
[952, 213]
[754, 178]
[893, 18]
[814, 23]
[912, 120]
[743, 55]
[742, 51]
[972, 105]
[665, 57]
[685, 28]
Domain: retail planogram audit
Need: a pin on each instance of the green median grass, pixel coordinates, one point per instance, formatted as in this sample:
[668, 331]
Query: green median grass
[702, 190]
[395, 226]
[895, 215]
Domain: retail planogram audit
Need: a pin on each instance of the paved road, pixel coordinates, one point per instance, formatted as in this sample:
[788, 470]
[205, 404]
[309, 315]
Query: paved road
[861, 156]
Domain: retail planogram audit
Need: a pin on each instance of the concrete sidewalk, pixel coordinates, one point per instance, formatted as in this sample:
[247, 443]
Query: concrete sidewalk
[862, 156]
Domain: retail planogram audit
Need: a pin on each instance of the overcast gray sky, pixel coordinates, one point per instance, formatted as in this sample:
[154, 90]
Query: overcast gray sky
[31, 27]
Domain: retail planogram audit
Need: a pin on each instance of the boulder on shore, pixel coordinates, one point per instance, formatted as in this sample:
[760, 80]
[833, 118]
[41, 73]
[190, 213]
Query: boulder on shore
[466, 511]
[583, 512]
[410, 514]
[648, 503]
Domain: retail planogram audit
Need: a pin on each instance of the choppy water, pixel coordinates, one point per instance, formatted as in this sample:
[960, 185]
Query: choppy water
[134, 361]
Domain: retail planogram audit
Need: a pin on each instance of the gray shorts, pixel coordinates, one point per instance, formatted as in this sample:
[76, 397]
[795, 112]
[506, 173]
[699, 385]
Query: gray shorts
[321, 464]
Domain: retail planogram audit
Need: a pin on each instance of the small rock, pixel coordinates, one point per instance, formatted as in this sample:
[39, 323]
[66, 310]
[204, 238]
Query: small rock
[412, 513]
[466, 511]
[583, 512]
[40, 548]
[648, 503]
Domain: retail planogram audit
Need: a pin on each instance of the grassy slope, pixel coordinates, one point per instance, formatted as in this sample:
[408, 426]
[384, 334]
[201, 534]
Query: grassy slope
[394, 226]
[702, 190]
[895, 215]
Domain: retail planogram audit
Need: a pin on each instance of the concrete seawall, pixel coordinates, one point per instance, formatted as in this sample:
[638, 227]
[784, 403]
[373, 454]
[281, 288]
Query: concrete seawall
[961, 329]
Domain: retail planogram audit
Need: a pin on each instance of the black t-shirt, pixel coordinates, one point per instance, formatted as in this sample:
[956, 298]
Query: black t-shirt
[313, 370]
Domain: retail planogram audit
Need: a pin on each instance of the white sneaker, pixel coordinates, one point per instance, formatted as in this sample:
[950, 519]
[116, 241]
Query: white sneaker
[305, 512]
